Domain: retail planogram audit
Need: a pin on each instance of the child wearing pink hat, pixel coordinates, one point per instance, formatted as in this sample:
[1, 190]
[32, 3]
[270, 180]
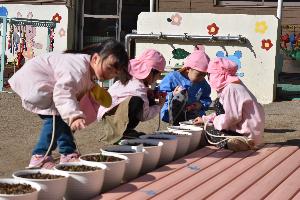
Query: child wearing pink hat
[239, 118]
[132, 103]
[188, 91]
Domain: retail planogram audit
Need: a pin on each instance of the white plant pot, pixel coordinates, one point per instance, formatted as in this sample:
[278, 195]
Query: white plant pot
[27, 196]
[152, 153]
[135, 159]
[51, 189]
[169, 146]
[183, 143]
[115, 170]
[190, 124]
[196, 132]
[83, 185]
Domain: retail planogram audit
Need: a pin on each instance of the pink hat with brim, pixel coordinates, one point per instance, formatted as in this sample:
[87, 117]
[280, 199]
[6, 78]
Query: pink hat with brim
[222, 72]
[197, 60]
[141, 66]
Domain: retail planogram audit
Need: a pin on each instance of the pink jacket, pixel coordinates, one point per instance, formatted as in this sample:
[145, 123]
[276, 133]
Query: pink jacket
[134, 87]
[243, 113]
[52, 83]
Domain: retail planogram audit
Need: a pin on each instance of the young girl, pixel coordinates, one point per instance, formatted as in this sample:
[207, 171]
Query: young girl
[52, 84]
[237, 111]
[132, 103]
[188, 91]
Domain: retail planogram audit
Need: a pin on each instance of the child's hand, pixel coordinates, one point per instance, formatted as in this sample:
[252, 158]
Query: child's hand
[198, 120]
[194, 106]
[177, 90]
[78, 124]
[161, 100]
[150, 93]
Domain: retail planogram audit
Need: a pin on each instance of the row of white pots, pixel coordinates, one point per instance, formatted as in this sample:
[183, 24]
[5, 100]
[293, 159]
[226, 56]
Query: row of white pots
[135, 160]
[71, 185]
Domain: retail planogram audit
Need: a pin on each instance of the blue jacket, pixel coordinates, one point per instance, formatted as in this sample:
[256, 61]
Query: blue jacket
[197, 92]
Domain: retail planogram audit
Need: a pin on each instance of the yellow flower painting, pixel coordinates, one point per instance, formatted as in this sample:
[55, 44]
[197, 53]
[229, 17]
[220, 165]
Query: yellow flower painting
[261, 27]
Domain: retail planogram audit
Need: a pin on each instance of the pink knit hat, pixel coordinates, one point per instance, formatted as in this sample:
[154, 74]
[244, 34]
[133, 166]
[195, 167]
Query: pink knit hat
[222, 72]
[141, 66]
[197, 60]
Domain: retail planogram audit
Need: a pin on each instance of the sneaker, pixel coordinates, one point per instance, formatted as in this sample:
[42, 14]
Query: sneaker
[41, 161]
[240, 144]
[72, 157]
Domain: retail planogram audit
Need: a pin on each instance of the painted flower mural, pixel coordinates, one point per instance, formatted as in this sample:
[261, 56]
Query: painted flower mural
[213, 29]
[175, 19]
[266, 44]
[57, 18]
[261, 27]
[3, 11]
[62, 32]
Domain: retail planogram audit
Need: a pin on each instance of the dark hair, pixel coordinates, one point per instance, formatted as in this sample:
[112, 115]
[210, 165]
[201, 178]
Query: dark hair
[107, 48]
[154, 72]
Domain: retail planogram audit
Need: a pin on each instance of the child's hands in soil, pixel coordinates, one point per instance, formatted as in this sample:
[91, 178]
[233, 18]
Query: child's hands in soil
[198, 120]
[161, 100]
[194, 106]
[78, 124]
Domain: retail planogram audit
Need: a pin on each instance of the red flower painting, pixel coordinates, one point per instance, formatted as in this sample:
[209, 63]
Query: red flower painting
[213, 29]
[266, 44]
[57, 18]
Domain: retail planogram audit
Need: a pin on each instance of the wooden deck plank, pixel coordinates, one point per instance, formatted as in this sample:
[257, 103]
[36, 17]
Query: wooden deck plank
[288, 188]
[182, 174]
[244, 181]
[272, 179]
[203, 175]
[297, 196]
[147, 179]
[201, 190]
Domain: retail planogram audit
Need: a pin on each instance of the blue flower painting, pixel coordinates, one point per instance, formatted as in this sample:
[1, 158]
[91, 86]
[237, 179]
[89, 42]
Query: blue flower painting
[3, 11]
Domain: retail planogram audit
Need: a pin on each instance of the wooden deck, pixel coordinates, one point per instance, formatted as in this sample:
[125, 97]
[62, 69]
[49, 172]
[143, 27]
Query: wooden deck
[272, 172]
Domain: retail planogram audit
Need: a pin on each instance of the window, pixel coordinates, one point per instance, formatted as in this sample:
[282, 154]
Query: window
[266, 3]
[101, 21]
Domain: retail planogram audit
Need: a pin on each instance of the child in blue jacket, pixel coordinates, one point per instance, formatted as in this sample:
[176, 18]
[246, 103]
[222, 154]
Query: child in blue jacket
[188, 91]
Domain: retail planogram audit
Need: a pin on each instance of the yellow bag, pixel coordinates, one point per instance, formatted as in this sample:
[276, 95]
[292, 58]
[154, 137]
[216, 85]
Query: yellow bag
[101, 96]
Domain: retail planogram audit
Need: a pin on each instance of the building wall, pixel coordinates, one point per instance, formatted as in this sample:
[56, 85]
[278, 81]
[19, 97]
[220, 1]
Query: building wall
[257, 58]
[290, 15]
[290, 22]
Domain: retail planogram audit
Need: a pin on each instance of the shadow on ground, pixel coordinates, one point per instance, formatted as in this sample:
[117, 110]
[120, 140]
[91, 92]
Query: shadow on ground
[284, 130]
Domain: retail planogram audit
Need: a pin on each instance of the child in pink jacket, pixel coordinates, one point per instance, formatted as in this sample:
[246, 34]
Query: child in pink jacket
[52, 84]
[238, 114]
[133, 102]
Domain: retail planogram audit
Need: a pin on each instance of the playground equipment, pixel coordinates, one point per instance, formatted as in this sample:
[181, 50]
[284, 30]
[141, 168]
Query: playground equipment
[20, 24]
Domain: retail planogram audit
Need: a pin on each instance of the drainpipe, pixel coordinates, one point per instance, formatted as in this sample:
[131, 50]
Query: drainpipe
[164, 38]
[151, 5]
[279, 9]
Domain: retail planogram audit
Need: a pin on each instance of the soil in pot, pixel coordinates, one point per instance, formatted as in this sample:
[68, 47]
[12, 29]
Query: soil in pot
[40, 176]
[78, 168]
[179, 128]
[101, 158]
[173, 133]
[145, 144]
[13, 189]
[159, 138]
[121, 151]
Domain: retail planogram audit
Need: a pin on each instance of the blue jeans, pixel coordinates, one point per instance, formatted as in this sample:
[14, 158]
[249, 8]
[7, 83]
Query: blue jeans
[63, 137]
